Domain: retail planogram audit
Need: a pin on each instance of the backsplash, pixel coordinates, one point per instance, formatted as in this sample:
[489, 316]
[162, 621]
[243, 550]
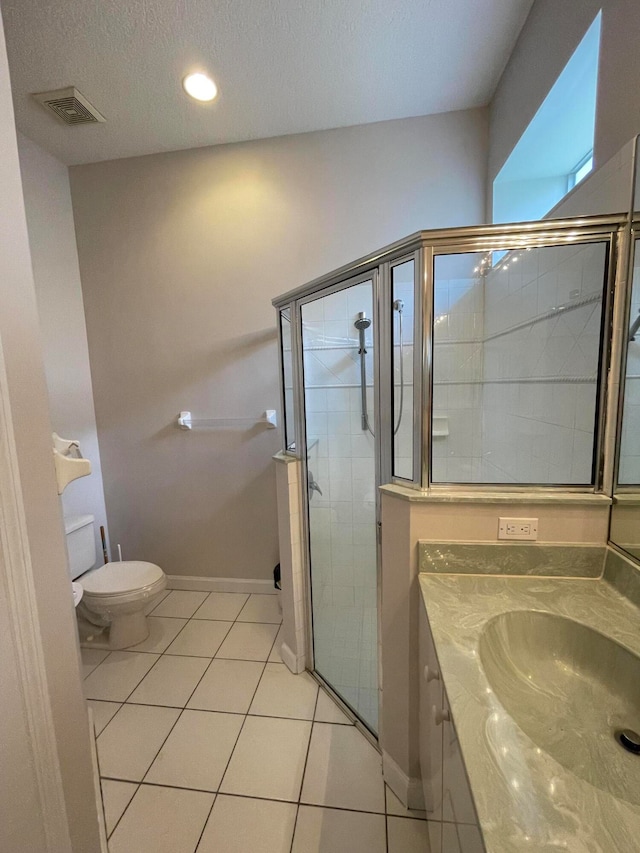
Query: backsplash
[623, 574]
[586, 561]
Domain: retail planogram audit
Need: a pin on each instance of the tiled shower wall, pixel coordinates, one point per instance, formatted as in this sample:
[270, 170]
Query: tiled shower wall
[403, 290]
[629, 473]
[541, 347]
[458, 360]
[515, 364]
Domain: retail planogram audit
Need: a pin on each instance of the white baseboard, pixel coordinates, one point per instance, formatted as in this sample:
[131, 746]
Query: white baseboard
[200, 584]
[290, 659]
[408, 791]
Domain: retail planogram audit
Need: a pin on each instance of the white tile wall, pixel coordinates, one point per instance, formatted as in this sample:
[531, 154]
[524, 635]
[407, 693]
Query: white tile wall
[540, 430]
[510, 418]
[458, 366]
[629, 473]
[402, 281]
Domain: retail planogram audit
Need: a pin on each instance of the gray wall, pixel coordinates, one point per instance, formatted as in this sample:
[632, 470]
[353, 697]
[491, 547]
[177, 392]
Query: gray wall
[551, 33]
[54, 256]
[27, 411]
[180, 255]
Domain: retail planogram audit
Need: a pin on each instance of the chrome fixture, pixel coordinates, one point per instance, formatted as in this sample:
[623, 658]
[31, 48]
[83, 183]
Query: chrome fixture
[313, 486]
[361, 324]
[398, 306]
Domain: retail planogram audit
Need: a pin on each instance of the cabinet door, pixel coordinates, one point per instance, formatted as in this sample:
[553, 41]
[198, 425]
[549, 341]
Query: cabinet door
[453, 826]
[457, 802]
[431, 696]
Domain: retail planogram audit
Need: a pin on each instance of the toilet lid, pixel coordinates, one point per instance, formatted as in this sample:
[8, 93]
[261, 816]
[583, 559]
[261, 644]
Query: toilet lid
[122, 576]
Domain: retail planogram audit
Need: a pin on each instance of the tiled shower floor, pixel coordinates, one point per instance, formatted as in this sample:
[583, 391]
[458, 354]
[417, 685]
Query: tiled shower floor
[208, 743]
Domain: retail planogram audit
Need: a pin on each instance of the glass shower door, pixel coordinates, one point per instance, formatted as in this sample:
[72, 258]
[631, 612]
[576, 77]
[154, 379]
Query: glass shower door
[338, 360]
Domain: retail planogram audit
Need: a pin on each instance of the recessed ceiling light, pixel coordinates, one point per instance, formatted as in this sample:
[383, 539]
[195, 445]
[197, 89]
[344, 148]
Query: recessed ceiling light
[200, 87]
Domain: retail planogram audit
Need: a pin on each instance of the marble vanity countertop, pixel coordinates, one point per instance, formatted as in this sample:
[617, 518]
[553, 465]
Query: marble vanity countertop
[525, 799]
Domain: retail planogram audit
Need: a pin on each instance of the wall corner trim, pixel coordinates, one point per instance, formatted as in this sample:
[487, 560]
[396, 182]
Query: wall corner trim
[26, 654]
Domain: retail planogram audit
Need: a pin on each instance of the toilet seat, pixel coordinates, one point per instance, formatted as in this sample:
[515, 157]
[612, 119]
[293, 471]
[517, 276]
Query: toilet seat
[122, 579]
[116, 599]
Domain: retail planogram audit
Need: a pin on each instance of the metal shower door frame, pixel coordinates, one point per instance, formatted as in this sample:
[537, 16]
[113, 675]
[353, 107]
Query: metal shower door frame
[379, 283]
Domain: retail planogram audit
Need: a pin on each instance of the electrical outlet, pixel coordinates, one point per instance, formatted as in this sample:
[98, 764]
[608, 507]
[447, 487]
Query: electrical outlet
[518, 528]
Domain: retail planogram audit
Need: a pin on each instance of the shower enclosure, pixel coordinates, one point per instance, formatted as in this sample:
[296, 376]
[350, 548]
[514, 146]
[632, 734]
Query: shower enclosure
[453, 360]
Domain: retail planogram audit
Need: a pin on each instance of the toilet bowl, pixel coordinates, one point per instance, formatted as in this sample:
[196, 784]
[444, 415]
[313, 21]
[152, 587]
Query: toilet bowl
[116, 598]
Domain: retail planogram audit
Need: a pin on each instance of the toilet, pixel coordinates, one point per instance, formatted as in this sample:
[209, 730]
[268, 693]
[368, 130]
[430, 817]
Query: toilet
[116, 596]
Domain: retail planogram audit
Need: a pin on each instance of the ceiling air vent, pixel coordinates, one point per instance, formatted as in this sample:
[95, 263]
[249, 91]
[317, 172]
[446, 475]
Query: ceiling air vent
[70, 106]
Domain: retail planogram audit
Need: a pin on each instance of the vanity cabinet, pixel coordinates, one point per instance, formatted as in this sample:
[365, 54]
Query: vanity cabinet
[448, 801]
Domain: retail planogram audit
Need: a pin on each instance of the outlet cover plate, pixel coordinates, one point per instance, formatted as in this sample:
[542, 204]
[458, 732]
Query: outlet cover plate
[518, 528]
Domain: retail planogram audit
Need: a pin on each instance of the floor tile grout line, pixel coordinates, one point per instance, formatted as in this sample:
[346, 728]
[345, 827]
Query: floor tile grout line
[195, 616]
[129, 695]
[386, 826]
[304, 770]
[208, 665]
[266, 660]
[257, 621]
[241, 729]
[128, 700]
[264, 669]
[235, 621]
[182, 710]
[138, 784]
[242, 608]
[159, 655]
[159, 750]
[186, 622]
[108, 652]
[266, 799]
[232, 713]
[151, 612]
[158, 603]
[174, 655]
[295, 821]
[204, 825]
[110, 721]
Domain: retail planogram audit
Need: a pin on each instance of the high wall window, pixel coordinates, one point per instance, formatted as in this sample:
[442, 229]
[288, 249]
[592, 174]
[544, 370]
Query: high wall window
[556, 150]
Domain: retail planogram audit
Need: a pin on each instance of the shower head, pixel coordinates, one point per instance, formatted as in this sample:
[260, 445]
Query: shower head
[363, 322]
[398, 306]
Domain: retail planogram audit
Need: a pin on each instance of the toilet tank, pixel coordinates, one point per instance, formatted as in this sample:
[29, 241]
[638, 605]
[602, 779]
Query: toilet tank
[81, 543]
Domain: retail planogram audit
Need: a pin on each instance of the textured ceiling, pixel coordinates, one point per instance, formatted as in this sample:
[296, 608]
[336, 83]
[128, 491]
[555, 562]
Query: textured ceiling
[282, 66]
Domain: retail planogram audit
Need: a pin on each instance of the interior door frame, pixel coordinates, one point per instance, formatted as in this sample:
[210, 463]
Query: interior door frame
[24, 654]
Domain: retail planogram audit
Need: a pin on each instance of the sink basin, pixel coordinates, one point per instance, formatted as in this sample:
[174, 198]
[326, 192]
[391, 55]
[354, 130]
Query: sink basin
[572, 691]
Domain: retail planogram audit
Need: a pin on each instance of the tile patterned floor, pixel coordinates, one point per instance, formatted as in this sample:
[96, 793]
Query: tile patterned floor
[207, 743]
